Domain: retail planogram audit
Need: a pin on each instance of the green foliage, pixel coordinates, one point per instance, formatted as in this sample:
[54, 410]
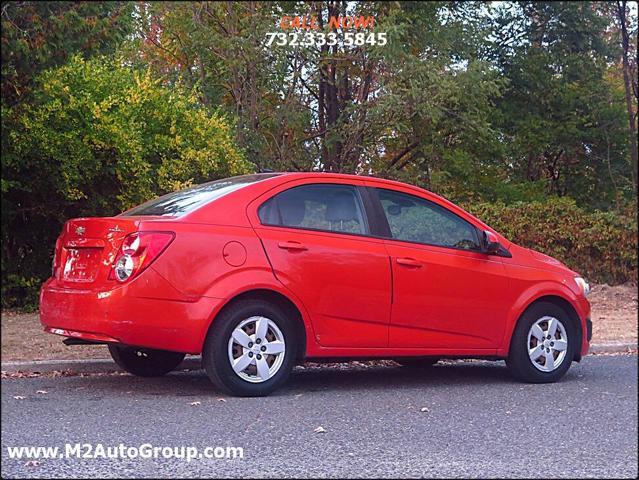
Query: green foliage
[41, 35]
[602, 246]
[219, 46]
[98, 138]
[561, 120]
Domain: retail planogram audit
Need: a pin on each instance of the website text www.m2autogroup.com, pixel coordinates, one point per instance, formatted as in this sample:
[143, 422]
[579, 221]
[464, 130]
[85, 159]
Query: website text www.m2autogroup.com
[121, 451]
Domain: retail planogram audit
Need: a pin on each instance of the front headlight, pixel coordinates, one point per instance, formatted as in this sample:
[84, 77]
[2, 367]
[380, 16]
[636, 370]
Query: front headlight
[583, 286]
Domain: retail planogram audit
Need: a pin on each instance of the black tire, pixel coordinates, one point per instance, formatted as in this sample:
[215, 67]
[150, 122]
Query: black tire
[145, 362]
[519, 362]
[215, 356]
[417, 362]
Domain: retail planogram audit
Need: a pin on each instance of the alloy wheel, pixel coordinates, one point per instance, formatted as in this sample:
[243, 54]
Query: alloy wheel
[256, 349]
[547, 344]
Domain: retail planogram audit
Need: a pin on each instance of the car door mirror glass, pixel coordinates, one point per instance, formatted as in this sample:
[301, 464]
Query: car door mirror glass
[490, 244]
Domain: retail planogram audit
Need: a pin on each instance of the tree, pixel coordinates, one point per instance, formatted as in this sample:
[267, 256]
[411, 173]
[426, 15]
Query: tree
[629, 68]
[436, 97]
[37, 36]
[98, 138]
[328, 107]
[40, 35]
[559, 117]
[219, 46]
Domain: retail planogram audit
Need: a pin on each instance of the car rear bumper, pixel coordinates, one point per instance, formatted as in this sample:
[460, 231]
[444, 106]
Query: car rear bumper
[125, 315]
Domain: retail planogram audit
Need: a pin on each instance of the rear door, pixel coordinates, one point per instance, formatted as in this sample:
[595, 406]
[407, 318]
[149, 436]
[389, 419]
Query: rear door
[316, 236]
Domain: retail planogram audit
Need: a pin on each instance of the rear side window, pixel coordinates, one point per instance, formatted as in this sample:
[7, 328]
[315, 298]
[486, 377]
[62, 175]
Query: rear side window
[185, 201]
[333, 208]
[414, 219]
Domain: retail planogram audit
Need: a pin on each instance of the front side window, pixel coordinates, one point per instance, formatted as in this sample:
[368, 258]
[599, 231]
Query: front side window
[334, 208]
[414, 219]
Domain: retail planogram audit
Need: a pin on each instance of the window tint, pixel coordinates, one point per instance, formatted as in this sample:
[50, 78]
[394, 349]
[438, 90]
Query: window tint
[184, 201]
[335, 208]
[414, 219]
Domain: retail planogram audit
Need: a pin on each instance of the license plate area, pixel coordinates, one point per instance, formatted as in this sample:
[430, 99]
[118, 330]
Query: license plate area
[81, 264]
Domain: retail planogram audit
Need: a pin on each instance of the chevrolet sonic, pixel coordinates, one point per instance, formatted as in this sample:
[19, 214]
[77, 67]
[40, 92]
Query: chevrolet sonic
[260, 272]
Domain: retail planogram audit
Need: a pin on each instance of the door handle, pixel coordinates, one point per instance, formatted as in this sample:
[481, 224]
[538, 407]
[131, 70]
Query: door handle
[408, 262]
[291, 246]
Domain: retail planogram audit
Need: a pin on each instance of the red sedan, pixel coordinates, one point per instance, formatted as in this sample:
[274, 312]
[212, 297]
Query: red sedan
[260, 272]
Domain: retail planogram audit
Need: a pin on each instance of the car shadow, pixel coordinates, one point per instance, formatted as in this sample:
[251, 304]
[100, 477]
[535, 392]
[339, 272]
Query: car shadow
[335, 377]
[396, 377]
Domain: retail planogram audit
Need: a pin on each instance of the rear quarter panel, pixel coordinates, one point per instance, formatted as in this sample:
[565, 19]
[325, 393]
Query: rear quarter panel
[218, 262]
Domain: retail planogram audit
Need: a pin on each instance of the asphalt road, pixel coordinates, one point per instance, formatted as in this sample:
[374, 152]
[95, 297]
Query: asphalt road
[479, 423]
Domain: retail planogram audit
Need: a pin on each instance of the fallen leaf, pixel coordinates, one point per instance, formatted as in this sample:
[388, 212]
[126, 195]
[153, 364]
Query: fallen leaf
[221, 399]
[19, 397]
[508, 412]
[43, 392]
[196, 403]
[19, 374]
[320, 430]
[424, 409]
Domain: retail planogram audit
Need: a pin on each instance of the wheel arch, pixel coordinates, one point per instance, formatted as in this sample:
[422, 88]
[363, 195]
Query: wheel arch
[554, 292]
[275, 297]
[561, 302]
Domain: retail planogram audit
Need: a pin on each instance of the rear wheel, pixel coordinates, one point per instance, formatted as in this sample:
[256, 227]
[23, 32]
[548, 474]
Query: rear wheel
[145, 362]
[417, 362]
[250, 349]
[543, 344]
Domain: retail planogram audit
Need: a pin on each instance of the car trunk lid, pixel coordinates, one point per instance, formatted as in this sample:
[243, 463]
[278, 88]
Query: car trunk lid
[87, 248]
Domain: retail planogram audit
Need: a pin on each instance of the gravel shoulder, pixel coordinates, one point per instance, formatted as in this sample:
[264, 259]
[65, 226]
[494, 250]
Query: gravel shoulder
[614, 313]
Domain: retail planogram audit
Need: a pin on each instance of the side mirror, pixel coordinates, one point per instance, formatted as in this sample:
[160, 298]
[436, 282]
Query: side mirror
[491, 244]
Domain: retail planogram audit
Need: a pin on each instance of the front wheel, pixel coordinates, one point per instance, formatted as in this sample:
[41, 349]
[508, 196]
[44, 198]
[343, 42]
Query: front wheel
[250, 349]
[543, 344]
[145, 362]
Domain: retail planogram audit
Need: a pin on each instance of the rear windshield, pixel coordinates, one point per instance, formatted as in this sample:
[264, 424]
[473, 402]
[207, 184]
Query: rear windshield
[185, 201]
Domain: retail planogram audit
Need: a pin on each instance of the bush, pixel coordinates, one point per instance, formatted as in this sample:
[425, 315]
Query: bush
[97, 138]
[602, 246]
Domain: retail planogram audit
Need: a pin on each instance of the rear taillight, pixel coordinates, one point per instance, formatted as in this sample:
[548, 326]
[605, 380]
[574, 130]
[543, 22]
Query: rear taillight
[54, 262]
[137, 252]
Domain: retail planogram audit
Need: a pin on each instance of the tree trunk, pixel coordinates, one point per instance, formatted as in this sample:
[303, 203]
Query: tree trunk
[632, 119]
[321, 101]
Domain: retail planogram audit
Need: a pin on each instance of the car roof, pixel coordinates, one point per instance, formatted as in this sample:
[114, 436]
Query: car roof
[344, 176]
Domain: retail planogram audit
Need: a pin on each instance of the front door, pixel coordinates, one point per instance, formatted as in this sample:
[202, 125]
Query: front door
[446, 293]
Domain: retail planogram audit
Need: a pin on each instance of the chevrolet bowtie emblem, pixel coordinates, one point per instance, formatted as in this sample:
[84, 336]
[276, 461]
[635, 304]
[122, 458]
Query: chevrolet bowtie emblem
[80, 230]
